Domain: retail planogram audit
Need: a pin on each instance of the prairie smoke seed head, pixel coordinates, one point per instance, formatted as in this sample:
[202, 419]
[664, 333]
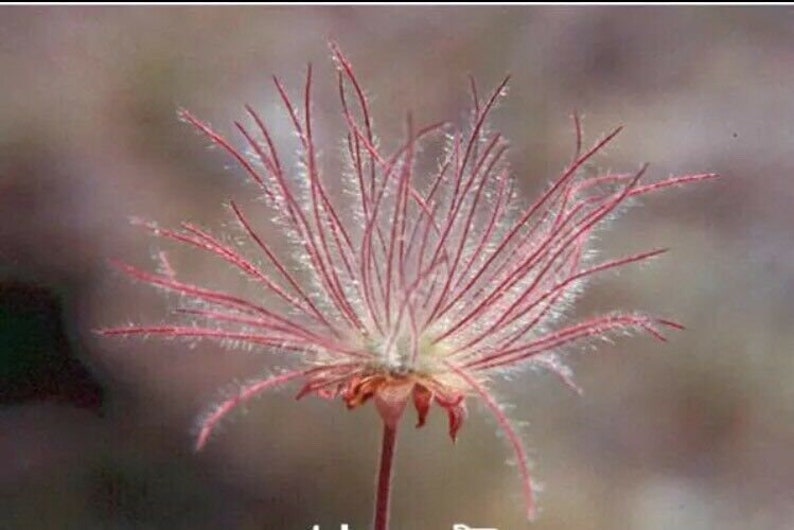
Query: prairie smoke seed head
[419, 289]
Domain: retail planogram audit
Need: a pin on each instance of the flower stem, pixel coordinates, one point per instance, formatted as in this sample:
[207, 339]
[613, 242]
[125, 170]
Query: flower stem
[381, 519]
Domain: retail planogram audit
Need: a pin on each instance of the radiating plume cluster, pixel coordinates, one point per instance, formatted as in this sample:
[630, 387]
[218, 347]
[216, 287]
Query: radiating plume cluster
[413, 286]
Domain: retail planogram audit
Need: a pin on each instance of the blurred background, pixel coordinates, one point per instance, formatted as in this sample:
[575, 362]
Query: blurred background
[97, 433]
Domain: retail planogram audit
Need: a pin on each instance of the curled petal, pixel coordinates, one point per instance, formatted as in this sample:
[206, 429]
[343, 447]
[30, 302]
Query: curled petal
[456, 412]
[359, 390]
[422, 400]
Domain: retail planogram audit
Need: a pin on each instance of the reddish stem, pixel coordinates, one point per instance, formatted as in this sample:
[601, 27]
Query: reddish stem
[381, 519]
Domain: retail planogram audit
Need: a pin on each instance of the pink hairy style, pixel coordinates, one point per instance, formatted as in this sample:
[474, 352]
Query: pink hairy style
[422, 288]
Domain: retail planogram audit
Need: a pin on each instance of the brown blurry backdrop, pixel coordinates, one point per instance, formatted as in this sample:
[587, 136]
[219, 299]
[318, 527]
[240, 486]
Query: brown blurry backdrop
[97, 433]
